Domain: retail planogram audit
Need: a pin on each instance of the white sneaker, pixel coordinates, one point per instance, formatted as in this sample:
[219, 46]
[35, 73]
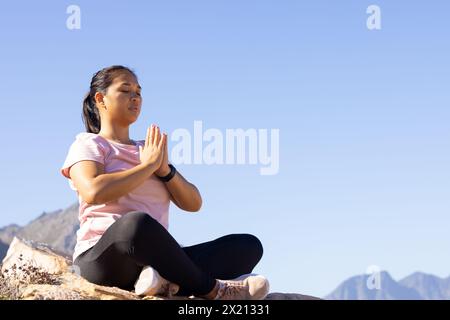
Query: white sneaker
[151, 283]
[246, 287]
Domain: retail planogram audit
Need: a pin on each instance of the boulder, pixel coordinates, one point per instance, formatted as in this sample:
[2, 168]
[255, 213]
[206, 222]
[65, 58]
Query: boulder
[36, 271]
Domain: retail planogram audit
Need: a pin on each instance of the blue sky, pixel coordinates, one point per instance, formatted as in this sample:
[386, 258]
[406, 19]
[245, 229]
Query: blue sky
[363, 116]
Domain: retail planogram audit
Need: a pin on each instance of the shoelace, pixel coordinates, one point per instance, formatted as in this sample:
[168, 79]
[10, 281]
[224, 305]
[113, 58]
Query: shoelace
[165, 289]
[229, 288]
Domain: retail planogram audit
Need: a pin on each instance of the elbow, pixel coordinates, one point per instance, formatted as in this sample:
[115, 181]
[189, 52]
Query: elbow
[90, 200]
[198, 206]
[195, 207]
[93, 198]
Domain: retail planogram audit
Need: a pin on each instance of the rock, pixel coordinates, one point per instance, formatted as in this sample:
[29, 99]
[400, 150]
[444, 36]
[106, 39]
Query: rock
[50, 292]
[23, 252]
[289, 296]
[35, 271]
[40, 273]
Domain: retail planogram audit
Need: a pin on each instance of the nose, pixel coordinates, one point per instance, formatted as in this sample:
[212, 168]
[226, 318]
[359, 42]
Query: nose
[134, 97]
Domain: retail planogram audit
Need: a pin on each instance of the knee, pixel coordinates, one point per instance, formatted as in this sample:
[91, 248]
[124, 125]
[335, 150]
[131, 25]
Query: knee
[253, 244]
[133, 223]
[257, 246]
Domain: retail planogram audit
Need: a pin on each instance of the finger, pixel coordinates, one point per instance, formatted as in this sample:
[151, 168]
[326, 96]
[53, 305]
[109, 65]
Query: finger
[162, 141]
[167, 144]
[147, 137]
[157, 136]
[152, 135]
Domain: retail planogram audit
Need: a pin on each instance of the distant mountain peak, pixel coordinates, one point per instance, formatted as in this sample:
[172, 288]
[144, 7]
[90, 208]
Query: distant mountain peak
[41, 229]
[417, 286]
[9, 226]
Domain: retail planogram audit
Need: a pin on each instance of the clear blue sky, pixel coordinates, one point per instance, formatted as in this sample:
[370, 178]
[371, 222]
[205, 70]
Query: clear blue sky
[363, 116]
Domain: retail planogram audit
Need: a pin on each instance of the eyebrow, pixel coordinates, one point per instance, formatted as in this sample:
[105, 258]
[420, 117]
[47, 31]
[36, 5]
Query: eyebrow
[129, 84]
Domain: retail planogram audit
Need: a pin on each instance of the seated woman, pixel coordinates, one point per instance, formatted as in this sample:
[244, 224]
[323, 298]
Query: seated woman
[124, 189]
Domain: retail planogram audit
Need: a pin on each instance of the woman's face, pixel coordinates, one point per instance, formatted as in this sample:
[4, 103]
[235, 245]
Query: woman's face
[123, 99]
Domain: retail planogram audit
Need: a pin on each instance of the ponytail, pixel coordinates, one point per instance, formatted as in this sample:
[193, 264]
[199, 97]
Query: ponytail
[91, 115]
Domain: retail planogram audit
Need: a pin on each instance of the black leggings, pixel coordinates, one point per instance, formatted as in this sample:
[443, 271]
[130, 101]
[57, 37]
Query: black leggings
[137, 240]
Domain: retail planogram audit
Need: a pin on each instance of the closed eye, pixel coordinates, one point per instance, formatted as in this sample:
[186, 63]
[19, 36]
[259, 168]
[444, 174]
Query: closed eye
[126, 91]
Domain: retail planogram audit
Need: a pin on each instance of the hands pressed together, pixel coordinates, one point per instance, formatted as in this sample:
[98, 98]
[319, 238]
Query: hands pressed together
[155, 151]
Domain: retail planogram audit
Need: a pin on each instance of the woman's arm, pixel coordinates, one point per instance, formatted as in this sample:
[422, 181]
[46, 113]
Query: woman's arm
[111, 186]
[183, 193]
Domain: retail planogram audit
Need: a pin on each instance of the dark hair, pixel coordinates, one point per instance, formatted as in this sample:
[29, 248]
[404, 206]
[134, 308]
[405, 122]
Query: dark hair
[100, 82]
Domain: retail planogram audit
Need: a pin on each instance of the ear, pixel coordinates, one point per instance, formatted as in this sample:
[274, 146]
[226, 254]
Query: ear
[98, 98]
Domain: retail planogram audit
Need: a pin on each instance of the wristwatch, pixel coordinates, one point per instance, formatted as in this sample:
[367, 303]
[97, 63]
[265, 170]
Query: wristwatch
[170, 175]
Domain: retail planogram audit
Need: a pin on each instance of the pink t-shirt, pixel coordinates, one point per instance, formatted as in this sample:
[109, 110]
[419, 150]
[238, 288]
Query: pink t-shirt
[151, 196]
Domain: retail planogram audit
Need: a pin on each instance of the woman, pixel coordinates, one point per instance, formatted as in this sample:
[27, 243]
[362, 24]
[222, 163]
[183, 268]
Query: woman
[124, 189]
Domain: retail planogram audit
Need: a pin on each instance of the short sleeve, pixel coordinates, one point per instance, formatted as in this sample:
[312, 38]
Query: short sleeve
[85, 147]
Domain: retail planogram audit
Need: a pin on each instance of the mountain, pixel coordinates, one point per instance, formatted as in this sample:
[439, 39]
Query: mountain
[428, 286]
[56, 229]
[417, 286]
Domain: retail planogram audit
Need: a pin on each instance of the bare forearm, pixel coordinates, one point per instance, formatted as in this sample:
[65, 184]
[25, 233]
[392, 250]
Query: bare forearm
[185, 194]
[111, 186]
